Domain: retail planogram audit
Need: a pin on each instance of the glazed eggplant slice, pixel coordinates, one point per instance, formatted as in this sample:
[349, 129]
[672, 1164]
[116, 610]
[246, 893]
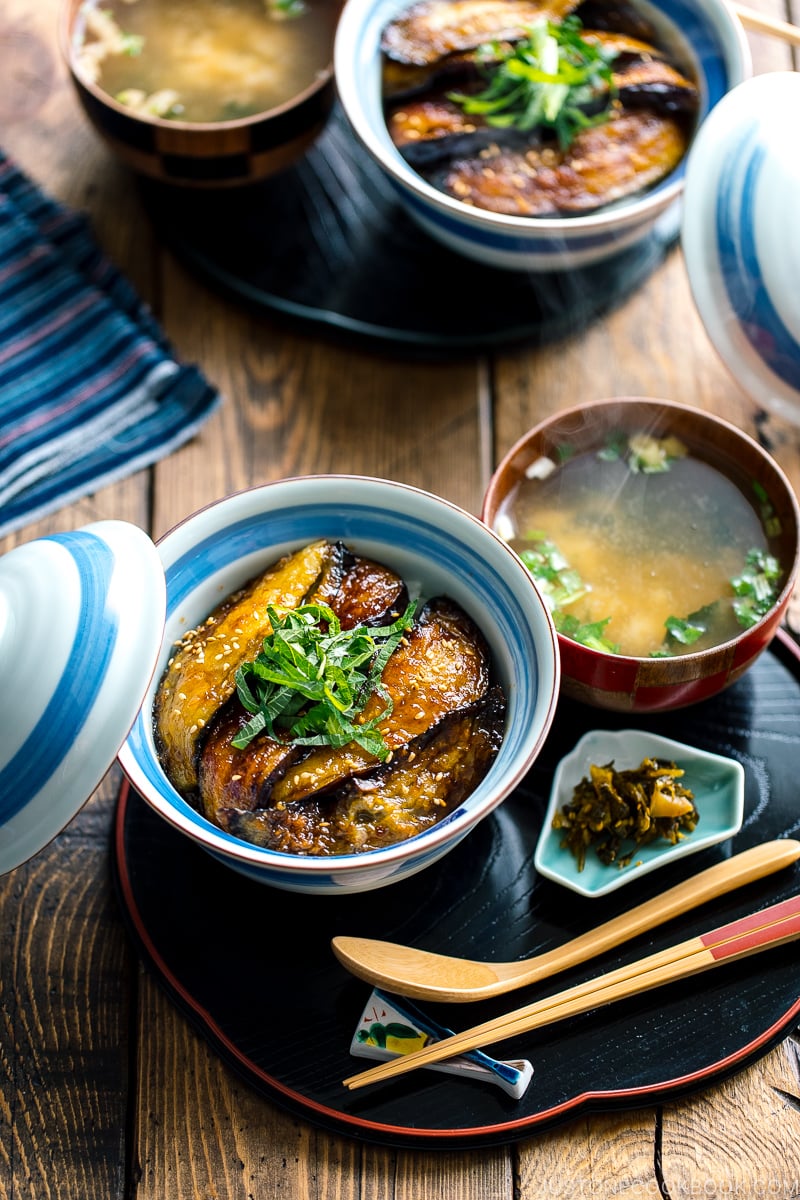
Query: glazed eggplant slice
[627, 154]
[654, 84]
[233, 778]
[424, 781]
[270, 773]
[430, 130]
[408, 80]
[418, 123]
[442, 664]
[368, 593]
[428, 779]
[201, 675]
[428, 31]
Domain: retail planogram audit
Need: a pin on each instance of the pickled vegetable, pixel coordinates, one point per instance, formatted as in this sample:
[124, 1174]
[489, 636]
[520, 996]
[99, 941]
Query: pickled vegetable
[613, 813]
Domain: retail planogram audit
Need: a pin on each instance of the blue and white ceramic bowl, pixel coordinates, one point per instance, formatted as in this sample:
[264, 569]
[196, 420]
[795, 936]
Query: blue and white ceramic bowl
[437, 548]
[716, 43]
[741, 236]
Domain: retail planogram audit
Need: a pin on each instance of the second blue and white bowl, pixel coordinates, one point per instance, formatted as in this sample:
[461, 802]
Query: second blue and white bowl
[438, 548]
[715, 41]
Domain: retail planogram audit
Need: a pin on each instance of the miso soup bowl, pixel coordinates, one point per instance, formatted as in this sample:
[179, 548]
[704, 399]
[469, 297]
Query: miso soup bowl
[437, 548]
[218, 154]
[644, 685]
[721, 59]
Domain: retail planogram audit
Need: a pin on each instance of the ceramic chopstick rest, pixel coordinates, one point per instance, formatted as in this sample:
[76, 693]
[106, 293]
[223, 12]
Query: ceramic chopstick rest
[390, 1026]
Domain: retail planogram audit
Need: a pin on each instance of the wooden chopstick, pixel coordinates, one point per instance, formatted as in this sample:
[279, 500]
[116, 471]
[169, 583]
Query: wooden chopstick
[759, 23]
[770, 927]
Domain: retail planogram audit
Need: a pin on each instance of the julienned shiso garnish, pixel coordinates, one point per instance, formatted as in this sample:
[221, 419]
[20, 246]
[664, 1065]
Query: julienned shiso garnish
[548, 79]
[312, 679]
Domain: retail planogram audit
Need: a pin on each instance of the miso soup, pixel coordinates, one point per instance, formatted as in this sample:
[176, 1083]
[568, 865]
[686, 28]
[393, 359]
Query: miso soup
[204, 60]
[643, 556]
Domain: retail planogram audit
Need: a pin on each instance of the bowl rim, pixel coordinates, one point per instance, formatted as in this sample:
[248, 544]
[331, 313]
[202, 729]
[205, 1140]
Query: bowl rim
[422, 845]
[637, 210]
[68, 15]
[713, 420]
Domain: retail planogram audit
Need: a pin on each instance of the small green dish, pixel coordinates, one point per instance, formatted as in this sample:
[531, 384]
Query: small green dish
[716, 782]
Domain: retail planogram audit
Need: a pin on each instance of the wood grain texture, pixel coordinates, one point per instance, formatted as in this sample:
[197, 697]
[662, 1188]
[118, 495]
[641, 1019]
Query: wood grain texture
[106, 1093]
[295, 406]
[739, 1139]
[64, 996]
[589, 1157]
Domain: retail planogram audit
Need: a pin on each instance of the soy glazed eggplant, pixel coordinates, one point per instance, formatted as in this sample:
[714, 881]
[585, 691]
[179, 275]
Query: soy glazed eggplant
[538, 109]
[425, 731]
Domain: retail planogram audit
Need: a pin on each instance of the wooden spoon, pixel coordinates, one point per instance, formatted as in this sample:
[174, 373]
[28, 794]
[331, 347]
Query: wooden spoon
[427, 976]
[771, 927]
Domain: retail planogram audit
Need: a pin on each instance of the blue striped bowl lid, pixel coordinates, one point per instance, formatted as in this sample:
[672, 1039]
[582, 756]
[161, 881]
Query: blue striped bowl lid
[741, 236]
[81, 624]
[438, 548]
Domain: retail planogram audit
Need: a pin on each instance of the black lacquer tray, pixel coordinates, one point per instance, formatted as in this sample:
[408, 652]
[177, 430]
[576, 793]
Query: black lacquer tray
[327, 243]
[252, 967]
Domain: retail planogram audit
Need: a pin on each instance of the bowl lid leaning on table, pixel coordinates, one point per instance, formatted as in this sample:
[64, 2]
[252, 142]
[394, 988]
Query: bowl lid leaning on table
[81, 625]
[741, 236]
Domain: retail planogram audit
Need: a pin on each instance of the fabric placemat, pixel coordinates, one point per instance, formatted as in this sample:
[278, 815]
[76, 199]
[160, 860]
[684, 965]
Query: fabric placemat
[90, 389]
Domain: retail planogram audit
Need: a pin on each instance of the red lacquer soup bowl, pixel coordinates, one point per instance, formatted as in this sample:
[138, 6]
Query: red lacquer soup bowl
[655, 683]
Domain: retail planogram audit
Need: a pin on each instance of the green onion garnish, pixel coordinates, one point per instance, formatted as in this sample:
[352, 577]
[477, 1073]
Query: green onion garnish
[547, 79]
[312, 680]
[756, 589]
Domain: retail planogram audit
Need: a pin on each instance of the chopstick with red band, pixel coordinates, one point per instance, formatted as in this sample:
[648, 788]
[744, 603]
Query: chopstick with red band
[773, 926]
[752, 930]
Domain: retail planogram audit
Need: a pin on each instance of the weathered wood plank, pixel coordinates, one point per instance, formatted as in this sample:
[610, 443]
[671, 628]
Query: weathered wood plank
[589, 1157]
[64, 986]
[295, 406]
[741, 1138]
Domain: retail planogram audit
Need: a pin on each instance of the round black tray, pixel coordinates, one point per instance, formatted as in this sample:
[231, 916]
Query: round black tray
[253, 970]
[326, 242]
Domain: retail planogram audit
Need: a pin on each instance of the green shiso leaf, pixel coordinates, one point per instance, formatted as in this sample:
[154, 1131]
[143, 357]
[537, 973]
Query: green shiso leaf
[312, 679]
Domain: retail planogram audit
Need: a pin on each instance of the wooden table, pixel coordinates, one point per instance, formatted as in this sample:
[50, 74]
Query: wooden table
[105, 1091]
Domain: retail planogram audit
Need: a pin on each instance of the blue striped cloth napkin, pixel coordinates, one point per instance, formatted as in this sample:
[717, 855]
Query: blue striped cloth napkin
[90, 390]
